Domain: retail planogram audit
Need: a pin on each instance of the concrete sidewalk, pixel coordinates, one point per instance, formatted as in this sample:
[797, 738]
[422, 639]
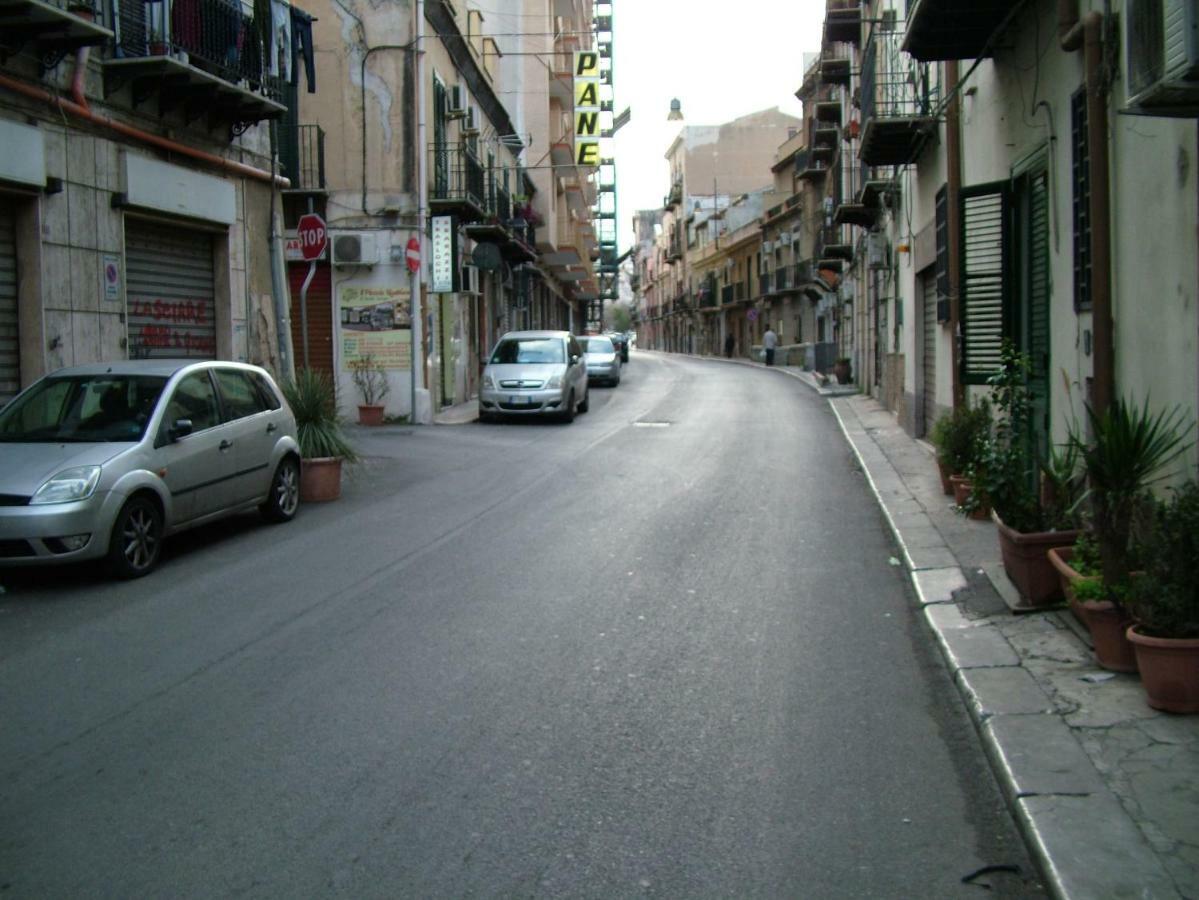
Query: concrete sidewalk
[1105, 789]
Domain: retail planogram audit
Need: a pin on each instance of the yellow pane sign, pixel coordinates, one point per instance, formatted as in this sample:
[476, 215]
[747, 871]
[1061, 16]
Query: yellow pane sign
[587, 64]
[587, 153]
[587, 123]
[587, 93]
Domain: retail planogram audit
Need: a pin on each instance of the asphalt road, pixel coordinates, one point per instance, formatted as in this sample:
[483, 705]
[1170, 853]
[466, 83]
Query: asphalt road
[658, 652]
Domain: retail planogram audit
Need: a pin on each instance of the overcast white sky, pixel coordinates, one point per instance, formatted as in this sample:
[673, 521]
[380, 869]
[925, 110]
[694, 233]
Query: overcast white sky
[721, 60]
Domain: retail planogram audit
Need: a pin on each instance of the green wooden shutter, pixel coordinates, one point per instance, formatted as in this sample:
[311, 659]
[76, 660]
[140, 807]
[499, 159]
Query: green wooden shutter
[1036, 307]
[985, 300]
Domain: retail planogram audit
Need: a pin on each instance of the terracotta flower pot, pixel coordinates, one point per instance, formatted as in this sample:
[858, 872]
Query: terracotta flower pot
[962, 486]
[943, 471]
[320, 479]
[1169, 671]
[1108, 626]
[1026, 561]
[370, 415]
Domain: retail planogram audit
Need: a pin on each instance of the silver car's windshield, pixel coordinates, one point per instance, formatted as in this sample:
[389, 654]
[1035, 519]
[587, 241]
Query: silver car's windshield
[598, 345]
[529, 350]
[82, 408]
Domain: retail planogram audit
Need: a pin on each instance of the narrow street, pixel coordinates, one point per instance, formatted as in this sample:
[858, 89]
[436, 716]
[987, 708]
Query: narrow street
[662, 651]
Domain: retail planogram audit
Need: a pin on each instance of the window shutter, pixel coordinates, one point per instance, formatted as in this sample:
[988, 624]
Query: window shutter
[942, 235]
[1081, 179]
[985, 305]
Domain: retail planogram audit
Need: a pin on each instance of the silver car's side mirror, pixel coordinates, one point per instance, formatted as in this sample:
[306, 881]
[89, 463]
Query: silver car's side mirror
[181, 428]
[573, 360]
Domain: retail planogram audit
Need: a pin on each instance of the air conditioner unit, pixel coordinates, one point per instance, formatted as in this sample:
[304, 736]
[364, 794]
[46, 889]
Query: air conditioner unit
[457, 102]
[470, 126]
[470, 280]
[1161, 56]
[355, 248]
[784, 237]
[767, 246]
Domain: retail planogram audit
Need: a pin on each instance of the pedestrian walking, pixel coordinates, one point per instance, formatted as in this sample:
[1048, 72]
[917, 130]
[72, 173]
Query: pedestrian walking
[770, 340]
[729, 343]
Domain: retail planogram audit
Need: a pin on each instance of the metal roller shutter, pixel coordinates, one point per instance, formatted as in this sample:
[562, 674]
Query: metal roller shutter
[171, 292]
[10, 347]
[928, 355]
[320, 317]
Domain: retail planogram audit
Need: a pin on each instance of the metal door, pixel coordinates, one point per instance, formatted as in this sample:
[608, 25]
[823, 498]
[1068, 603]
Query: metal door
[10, 346]
[171, 291]
[320, 316]
[928, 347]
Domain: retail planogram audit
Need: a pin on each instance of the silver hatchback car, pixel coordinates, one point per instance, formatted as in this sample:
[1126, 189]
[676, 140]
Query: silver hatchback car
[535, 373]
[105, 460]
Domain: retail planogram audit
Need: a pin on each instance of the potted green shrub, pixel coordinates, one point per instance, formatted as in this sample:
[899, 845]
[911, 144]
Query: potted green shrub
[1033, 504]
[323, 446]
[371, 380]
[956, 437]
[1164, 601]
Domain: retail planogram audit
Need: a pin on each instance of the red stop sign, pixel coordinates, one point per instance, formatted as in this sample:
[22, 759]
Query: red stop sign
[313, 236]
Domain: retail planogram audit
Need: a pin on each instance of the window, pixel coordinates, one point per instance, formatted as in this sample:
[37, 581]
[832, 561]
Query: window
[985, 250]
[238, 394]
[1080, 177]
[194, 399]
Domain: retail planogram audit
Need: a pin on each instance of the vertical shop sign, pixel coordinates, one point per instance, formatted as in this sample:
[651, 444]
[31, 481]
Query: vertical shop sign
[587, 107]
[445, 253]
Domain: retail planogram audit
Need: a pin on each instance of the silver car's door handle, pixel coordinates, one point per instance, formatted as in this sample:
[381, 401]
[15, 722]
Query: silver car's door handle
[224, 445]
[272, 428]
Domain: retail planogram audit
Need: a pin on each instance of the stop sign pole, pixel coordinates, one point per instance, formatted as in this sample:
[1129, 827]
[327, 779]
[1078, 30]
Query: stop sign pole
[313, 238]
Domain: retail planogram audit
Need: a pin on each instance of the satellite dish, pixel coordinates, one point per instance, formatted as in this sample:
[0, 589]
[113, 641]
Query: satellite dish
[486, 257]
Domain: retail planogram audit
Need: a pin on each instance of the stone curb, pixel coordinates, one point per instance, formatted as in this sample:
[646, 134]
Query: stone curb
[1079, 834]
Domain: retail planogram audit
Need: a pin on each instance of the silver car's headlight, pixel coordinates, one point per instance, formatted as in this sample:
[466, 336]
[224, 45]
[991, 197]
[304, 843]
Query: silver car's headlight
[554, 382]
[487, 381]
[68, 485]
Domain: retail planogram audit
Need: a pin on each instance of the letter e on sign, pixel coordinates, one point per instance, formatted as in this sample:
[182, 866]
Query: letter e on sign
[313, 236]
[587, 153]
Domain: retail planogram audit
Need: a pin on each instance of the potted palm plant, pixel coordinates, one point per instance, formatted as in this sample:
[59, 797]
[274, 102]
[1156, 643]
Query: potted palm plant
[1164, 601]
[323, 446]
[371, 380]
[1033, 505]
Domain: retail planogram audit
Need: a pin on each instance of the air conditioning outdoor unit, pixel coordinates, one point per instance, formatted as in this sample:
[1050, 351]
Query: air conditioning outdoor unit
[767, 246]
[784, 237]
[1161, 57]
[470, 280]
[470, 126]
[355, 248]
[457, 102]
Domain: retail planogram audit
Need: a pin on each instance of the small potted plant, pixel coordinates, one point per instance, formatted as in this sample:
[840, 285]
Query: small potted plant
[841, 369]
[1033, 505]
[371, 380]
[323, 446]
[1164, 600]
[956, 436]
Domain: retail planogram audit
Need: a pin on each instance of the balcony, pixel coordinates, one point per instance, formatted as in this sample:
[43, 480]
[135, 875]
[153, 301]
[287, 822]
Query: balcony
[949, 29]
[764, 283]
[302, 156]
[674, 250]
[833, 247]
[848, 208]
[808, 167]
[202, 58]
[728, 294]
[829, 112]
[898, 102]
[675, 197]
[492, 225]
[843, 21]
[782, 279]
[458, 183]
[50, 26]
[835, 63]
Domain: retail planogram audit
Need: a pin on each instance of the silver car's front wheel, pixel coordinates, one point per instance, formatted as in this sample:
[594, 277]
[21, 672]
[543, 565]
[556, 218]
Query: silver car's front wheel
[284, 498]
[136, 540]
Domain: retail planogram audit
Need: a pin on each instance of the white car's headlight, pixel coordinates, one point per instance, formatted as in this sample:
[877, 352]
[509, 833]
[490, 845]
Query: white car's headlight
[554, 382]
[487, 381]
[68, 485]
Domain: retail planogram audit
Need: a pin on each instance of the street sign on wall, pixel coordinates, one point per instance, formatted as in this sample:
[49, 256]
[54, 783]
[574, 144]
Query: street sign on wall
[445, 255]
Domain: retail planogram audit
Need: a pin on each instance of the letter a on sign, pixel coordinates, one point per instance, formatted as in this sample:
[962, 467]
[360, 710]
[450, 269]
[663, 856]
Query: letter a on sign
[586, 64]
[587, 93]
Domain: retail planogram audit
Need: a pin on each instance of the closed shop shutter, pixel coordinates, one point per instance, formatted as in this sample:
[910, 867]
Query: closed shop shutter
[320, 317]
[928, 353]
[10, 350]
[171, 292]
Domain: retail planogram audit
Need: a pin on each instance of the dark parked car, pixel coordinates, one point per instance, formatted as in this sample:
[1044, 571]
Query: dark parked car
[620, 340]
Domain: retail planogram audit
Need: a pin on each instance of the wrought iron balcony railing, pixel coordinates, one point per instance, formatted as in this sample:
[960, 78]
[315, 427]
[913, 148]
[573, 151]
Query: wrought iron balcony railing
[458, 179]
[216, 36]
[894, 85]
[302, 156]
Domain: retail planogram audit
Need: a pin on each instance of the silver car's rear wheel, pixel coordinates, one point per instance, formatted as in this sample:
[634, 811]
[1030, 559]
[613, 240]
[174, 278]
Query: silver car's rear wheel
[136, 540]
[284, 498]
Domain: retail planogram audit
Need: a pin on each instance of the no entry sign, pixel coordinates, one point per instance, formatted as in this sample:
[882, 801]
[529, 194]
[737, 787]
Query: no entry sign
[313, 236]
[412, 254]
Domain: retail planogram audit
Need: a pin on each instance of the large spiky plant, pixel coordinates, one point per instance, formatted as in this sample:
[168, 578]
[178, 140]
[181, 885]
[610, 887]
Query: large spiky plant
[1127, 453]
[313, 401]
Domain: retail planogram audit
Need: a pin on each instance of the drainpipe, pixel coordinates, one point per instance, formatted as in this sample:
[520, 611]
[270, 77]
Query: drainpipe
[953, 200]
[83, 111]
[1087, 33]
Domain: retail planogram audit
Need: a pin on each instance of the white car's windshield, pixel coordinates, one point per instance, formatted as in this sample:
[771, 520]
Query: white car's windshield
[529, 350]
[598, 345]
[82, 408]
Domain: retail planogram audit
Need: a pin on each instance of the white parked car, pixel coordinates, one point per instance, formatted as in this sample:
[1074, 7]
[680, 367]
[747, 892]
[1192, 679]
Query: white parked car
[105, 460]
[535, 373]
